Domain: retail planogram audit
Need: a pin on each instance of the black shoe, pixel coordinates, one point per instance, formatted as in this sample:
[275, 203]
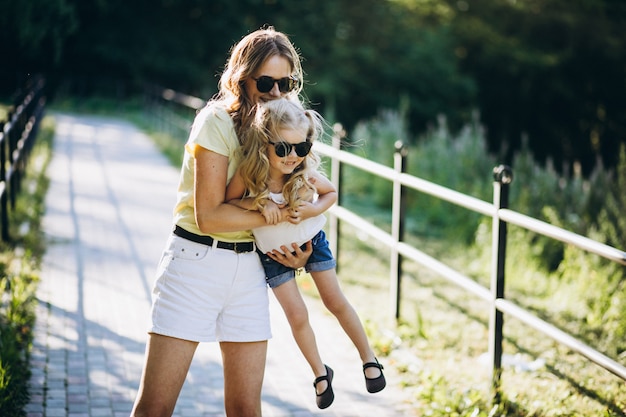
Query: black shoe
[326, 398]
[374, 384]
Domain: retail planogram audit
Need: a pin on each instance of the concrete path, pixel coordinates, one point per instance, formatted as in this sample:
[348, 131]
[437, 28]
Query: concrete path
[108, 216]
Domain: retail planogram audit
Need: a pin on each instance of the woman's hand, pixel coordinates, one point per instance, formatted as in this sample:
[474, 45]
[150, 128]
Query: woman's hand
[295, 258]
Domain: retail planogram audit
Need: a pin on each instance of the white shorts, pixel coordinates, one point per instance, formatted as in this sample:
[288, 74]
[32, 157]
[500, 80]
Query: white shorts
[206, 294]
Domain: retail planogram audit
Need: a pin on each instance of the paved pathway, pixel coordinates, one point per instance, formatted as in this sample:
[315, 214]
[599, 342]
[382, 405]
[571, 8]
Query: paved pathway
[108, 216]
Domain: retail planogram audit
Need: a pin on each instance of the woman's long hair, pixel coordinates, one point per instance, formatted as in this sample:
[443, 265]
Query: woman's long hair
[246, 58]
[269, 118]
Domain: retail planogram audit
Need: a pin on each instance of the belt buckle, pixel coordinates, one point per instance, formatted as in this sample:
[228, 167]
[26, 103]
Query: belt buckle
[242, 247]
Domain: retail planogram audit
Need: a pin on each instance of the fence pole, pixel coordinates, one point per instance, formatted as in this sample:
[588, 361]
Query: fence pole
[4, 200]
[397, 229]
[335, 177]
[502, 176]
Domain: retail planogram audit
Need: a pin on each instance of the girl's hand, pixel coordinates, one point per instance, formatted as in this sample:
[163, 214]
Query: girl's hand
[305, 210]
[294, 259]
[272, 213]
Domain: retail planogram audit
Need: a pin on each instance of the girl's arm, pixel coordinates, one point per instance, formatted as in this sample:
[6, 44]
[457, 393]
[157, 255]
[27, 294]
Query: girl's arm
[326, 191]
[272, 212]
[327, 197]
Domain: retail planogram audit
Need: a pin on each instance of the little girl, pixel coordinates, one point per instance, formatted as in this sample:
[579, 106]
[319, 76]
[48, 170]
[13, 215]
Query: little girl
[278, 176]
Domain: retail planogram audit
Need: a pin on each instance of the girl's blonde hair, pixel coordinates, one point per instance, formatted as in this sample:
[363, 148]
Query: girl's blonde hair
[269, 118]
[246, 57]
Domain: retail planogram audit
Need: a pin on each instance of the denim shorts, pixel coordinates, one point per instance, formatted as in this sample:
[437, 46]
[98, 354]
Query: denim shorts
[320, 260]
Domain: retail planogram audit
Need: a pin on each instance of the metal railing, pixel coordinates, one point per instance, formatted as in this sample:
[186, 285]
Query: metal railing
[501, 216]
[17, 137]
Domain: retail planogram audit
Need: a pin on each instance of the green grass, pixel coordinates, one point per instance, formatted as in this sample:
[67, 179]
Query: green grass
[19, 263]
[441, 343]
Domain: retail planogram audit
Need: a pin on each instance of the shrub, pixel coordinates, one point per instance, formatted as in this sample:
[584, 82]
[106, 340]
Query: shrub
[17, 319]
[459, 162]
[18, 281]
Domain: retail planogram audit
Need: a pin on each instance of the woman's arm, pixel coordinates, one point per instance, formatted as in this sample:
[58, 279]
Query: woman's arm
[272, 212]
[235, 192]
[213, 214]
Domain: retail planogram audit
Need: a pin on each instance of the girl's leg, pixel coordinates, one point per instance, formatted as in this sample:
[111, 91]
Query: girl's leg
[244, 368]
[165, 369]
[337, 303]
[290, 299]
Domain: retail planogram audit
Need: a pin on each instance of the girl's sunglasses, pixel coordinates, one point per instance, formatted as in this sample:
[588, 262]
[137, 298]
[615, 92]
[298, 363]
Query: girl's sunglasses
[284, 148]
[265, 84]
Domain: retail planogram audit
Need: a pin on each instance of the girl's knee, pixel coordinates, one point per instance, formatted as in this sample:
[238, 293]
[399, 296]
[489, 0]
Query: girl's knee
[336, 305]
[298, 317]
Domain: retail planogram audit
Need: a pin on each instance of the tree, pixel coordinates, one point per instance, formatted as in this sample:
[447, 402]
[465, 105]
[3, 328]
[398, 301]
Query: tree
[365, 56]
[553, 69]
[32, 35]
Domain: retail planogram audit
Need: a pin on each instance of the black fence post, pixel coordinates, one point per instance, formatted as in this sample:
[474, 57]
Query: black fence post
[397, 227]
[4, 200]
[502, 177]
[16, 129]
[335, 176]
[16, 142]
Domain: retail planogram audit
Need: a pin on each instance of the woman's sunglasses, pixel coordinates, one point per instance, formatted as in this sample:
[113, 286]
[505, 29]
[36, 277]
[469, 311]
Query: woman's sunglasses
[265, 84]
[284, 148]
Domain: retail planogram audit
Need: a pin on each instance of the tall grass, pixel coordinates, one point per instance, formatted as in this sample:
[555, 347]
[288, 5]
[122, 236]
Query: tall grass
[19, 261]
[574, 290]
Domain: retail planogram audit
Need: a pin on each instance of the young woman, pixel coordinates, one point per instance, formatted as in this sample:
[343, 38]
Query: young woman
[278, 171]
[210, 283]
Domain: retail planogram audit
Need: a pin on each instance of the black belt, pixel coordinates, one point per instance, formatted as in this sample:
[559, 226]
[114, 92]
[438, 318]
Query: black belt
[238, 247]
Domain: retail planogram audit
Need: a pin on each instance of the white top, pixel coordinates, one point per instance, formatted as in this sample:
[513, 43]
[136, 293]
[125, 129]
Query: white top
[274, 236]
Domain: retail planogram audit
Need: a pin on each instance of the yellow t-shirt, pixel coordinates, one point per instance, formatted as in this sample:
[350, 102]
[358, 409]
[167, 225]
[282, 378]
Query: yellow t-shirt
[212, 129]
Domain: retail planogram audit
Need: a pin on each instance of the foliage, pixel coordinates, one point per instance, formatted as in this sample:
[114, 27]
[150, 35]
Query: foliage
[374, 140]
[438, 350]
[611, 221]
[16, 322]
[577, 291]
[600, 284]
[442, 400]
[18, 281]
[551, 69]
[460, 162]
[344, 67]
[573, 289]
[33, 38]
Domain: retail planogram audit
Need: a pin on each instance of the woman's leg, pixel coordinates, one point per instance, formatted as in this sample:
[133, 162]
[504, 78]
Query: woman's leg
[165, 369]
[244, 367]
[337, 303]
[290, 299]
